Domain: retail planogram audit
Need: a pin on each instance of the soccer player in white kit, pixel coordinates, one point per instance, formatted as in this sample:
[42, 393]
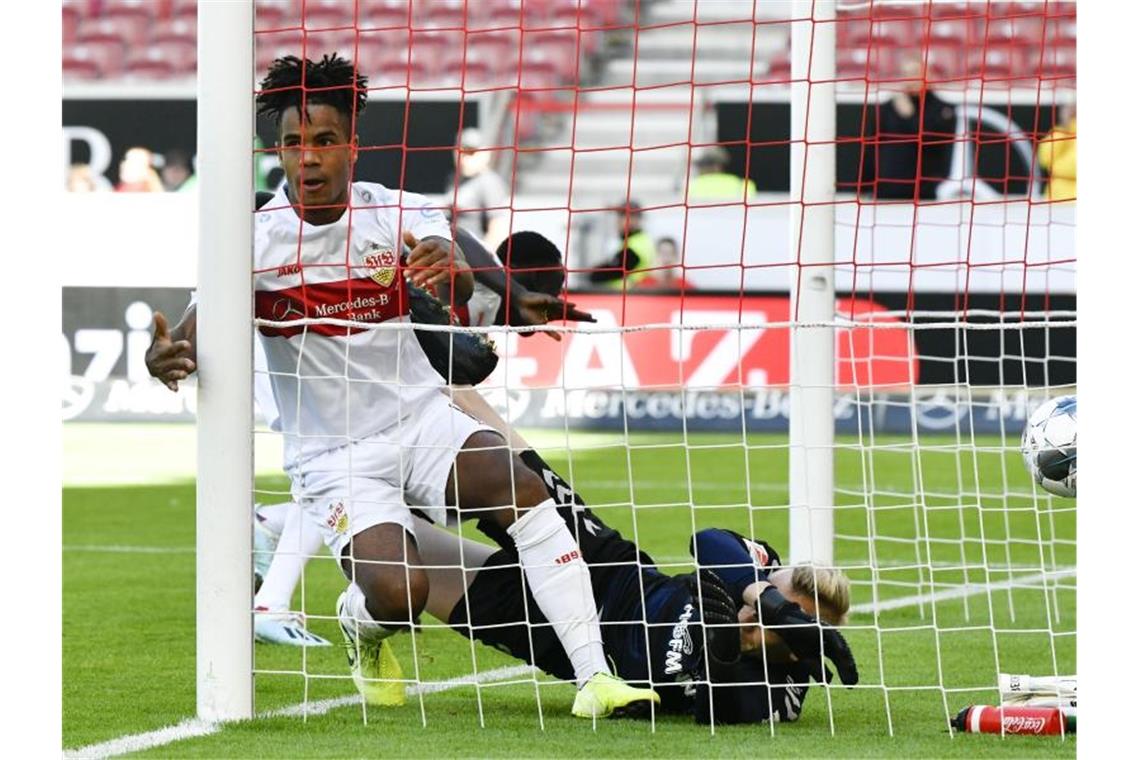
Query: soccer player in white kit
[367, 428]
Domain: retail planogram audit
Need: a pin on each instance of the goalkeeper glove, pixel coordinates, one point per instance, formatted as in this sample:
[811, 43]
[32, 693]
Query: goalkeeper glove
[803, 634]
[718, 612]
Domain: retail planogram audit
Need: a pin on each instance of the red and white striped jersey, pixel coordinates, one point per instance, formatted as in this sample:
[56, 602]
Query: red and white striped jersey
[337, 383]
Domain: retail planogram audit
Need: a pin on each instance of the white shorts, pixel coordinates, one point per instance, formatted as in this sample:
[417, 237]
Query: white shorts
[377, 479]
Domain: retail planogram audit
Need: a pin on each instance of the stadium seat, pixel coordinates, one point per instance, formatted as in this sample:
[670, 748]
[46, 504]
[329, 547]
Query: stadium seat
[852, 32]
[176, 30]
[108, 54]
[150, 63]
[187, 9]
[78, 64]
[952, 31]
[110, 29]
[1058, 65]
[539, 70]
[494, 44]
[379, 14]
[327, 14]
[446, 14]
[181, 53]
[71, 19]
[274, 14]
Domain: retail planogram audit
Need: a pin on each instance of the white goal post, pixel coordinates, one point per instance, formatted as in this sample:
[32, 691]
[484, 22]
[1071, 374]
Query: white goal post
[224, 621]
[811, 424]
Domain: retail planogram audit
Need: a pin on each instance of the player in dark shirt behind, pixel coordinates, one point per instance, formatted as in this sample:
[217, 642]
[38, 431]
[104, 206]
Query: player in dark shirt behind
[693, 629]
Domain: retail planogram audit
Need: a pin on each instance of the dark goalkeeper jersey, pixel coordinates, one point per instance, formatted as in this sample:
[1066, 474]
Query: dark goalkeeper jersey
[659, 642]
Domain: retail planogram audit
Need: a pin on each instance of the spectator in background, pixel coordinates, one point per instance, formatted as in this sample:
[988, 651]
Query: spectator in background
[80, 179]
[178, 172]
[137, 174]
[482, 201]
[714, 183]
[1057, 154]
[636, 253]
[915, 141]
[669, 273]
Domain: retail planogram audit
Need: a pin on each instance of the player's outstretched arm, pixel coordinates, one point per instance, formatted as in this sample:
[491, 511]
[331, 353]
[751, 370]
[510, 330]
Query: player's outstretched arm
[172, 355]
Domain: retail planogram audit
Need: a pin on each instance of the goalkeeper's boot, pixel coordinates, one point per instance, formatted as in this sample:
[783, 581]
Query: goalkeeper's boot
[605, 695]
[375, 669]
[264, 545]
[284, 627]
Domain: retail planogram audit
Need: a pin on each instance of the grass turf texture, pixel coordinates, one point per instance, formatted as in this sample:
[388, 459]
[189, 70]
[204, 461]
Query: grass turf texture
[129, 606]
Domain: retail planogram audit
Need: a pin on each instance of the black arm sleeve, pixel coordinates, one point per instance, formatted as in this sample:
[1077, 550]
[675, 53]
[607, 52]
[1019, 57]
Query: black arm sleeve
[486, 269]
[616, 266]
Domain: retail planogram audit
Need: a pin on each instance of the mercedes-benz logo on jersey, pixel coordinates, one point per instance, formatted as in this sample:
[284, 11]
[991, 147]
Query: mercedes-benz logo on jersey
[285, 309]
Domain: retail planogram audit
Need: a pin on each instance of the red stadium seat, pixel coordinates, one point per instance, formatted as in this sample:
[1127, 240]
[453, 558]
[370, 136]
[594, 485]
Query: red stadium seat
[539, 70]
[379, 14]
[181, 53]
[1056, 64]
[953, 31]
[184, 9]
[150, 63]
[494, 48]
[108, 55]
[327, 14]
[177, 30]
[110, 29]
[448, 14]
[275, 14]
[853, 32]
[133, 16]
[78, 65]
[561, 46]
[71, 18]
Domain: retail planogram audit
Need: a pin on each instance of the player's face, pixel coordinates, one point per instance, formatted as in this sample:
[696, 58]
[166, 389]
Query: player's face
[317, 157]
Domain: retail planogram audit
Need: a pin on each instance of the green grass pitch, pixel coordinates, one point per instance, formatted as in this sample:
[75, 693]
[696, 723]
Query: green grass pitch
[128, 604]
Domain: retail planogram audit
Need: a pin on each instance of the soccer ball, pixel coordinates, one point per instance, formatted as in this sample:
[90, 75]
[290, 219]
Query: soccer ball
[1049, 445]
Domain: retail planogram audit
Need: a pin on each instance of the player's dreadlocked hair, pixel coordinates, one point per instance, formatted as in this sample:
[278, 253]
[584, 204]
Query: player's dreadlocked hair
[331, 81]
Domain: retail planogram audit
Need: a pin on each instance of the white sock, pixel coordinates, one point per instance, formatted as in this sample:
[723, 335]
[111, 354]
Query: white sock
[560, 582]
[274, 516]
[300, 540]
[355, 617]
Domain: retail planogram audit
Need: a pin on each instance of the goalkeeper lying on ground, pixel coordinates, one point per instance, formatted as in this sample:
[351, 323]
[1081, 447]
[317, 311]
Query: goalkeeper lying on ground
[741, 613]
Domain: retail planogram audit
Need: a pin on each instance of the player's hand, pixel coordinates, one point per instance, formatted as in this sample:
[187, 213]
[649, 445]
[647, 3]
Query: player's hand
[803, 635]
[430, 261]
[166, 359]
[718, 612]
[540, 308]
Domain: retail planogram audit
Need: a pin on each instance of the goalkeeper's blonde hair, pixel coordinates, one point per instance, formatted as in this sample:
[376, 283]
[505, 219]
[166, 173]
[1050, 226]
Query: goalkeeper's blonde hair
[831, 589]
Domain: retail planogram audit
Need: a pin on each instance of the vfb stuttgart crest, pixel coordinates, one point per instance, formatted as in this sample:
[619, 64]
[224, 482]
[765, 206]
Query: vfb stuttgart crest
[382, 262]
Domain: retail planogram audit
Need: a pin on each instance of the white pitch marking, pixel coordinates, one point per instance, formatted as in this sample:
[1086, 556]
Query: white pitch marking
[192, 727]
[971, 589]
[120, 549]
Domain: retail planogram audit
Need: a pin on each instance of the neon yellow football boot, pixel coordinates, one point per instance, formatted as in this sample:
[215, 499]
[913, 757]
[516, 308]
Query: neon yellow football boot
[605, 695]
[375, 669]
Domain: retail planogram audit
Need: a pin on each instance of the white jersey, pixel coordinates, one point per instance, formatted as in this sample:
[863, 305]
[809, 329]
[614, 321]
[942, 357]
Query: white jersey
[335, 384]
